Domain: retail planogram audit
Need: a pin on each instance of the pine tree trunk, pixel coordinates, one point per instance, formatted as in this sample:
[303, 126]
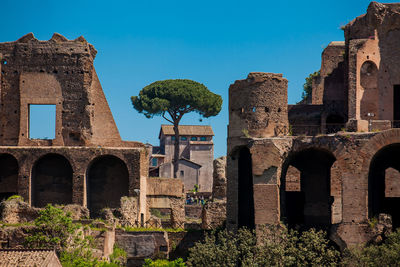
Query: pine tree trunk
[176, 151]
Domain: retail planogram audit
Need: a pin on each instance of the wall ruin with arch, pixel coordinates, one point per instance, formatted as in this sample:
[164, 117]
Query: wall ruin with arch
[337, 167]
[87, 162]
[322, 182]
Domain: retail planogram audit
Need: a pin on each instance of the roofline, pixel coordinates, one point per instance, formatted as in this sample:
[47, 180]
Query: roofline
[159, 135]
[188, 160]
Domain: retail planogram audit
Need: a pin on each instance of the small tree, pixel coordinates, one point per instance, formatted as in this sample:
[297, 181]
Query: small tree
[307, 87]
[176, 98]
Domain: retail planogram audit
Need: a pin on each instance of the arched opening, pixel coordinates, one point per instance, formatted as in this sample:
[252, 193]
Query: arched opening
[307, 203]
[384, 183]
[8, 176]
[369, 93]
[108, 181]
[245, 190]
[51, 181]
[334, 123]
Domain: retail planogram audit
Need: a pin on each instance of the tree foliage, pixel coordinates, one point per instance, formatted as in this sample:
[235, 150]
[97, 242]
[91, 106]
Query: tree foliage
[307, 87]
[275, 246]
[176, 97]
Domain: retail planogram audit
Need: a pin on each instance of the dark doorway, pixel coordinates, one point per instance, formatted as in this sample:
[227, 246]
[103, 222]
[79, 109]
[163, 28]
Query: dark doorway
[311, 206]
[334, 123]
[8, 176]
[295, 208]
[396, 104]
[108, 181]
[51, 181]
[245, 190]
[387, 157]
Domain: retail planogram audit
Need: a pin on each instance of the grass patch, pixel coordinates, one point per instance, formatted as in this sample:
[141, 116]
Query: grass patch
[15, 197]
[151, 229]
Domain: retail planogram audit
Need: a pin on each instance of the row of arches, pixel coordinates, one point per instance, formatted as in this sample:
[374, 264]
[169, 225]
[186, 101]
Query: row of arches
[310, 204]
[107, 180]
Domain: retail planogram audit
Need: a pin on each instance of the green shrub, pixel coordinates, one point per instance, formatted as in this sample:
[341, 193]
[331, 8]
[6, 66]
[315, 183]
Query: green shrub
[384, 254]
[118, 256]
[275, 246]
[55, 229]
[164, 263]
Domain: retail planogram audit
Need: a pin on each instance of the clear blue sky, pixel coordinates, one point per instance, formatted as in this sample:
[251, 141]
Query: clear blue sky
[212, 42]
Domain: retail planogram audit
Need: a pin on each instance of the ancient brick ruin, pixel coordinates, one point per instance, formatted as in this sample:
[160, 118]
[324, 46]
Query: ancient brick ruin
[332, 163]
[87, 156]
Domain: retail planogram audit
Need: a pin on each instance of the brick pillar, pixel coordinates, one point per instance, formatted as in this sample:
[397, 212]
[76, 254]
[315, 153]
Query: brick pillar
[266, 204]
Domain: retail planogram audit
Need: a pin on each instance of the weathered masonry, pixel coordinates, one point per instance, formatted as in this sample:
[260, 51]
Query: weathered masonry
[86, 162]
[332, 163]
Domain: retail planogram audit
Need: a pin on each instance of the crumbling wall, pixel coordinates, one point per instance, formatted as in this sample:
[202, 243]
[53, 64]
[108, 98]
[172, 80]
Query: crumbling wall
[219, 178]
[330, 86]
[142, 245]
[374, 37]
[58, 72]
[213, 215]
[167, 193]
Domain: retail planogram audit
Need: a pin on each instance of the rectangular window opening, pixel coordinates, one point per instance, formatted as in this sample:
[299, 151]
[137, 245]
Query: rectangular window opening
[42, 122]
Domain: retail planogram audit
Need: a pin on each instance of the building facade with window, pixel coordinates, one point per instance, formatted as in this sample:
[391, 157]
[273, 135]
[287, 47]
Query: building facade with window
[196, 155]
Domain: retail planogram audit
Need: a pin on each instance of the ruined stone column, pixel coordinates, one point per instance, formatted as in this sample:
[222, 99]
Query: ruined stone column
[258, 106]
[257, 109]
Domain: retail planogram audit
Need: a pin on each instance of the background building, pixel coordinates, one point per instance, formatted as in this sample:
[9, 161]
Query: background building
[196, 155]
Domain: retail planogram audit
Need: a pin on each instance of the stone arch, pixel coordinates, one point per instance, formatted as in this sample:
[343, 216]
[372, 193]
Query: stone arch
[8, 176]
[369, 91]
[307, 201]
[107, 181]
[384, 183]
[367, 153]
[245, 189]
[52, 180]
[374, 144]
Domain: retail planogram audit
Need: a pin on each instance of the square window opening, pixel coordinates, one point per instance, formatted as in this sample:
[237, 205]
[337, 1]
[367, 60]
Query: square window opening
[42, 122]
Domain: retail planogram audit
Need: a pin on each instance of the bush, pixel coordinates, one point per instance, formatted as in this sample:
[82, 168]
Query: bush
[275, 246]
[385, 254]
[164, 263]
[55, 229]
